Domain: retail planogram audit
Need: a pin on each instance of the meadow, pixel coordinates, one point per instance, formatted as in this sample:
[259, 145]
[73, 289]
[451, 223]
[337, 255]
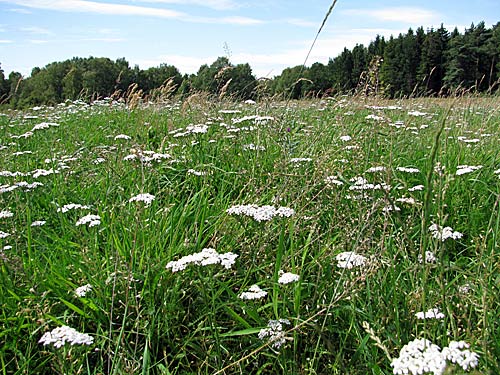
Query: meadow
[336, 236]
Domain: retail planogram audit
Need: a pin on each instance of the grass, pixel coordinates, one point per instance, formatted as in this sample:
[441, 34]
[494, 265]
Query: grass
[146, 319]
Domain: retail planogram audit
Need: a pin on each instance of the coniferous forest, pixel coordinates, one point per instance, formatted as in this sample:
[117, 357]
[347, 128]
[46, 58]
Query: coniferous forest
[433, 62]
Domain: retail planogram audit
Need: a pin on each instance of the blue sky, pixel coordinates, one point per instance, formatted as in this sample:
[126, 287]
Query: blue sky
[269, 35]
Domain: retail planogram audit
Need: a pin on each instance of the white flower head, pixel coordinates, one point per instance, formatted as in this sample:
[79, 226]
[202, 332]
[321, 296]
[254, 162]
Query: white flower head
[287, 277]
[443, 233]
[62, 335]
[205, 257]
[349, 259]
[430, 257]
[419, 356]
[5, 214]
[91, 220]
[275, 332]
[38, 223]
[146, 198]
[81, 291]
[430, 314]
[254, 292]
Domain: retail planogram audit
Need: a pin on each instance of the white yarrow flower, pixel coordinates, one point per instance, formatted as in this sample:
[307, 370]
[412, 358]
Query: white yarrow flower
[91, 220]
[287, 278]
[205, 257]
[81, 291]
[274, 332]
[430, 314]
[254, 292]
[62, 335]
[38, 223]
[146, 198]
[5, 214]
[350, 259]
[444, 233]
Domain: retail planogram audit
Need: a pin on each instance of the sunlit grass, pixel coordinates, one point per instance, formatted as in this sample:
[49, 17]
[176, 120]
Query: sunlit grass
[365, 181]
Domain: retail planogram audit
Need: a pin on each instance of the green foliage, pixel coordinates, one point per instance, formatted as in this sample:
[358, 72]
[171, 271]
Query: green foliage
[144, 318]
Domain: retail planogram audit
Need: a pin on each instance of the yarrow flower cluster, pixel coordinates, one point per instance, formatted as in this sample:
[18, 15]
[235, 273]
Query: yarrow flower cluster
[6, 214]
[274, 332]
[429, 257]
[254, 292]
[463, 169]
[205, 257]
[260, 213]
[421, 356]
[350, 259]
[430, 314]
[62, 335]
[443, 234]
[38, 223]
[146, 198]
[288, 277]
[408, 170]
[81, 291]
[72, 206]
[91, 220]
[332, 180]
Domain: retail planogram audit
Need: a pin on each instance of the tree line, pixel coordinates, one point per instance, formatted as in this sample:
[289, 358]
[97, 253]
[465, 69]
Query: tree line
[429, 62]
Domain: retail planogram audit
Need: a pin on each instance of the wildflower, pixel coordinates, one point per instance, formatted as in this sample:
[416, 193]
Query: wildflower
[444, 233]
[206, 257]
[197, 173]
[429, 257]
[332, 180]
[430, 314]
[408, 170]
[418, 357]
[417, 113]
[262, 213]
[99, 161]
[254, 292]
[146, 198]
[4, 235]
[122, 136]
[287, 277]
[62, 335]
[374, 117]
[463, 169]
[376, 169]
[275, 332]
[350, 259]
[38, 223]
[44, 125]
[458, 353]
[421, 356]
[72, 206]
[5, 214]
[406, 200]
[81, 291]
[251, 146]
[416, 188]
[345, 138]
[91, 220]
[300, 160]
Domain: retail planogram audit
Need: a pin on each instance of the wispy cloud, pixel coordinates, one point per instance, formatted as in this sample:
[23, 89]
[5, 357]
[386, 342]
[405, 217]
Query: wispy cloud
[410, 15]
[38, 41]
[214, 4]
[84, 6]
[106, 40]
[36, 30]
[6, 41]
[301, 23]
[19, 10]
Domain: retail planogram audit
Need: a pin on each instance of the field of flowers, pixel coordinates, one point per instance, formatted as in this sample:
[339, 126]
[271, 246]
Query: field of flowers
[336, 236]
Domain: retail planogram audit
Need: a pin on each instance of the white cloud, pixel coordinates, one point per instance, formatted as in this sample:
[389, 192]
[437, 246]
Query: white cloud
[107, 40]
[410, 15]
[84, 6]
[214, 4]
[38, 41]
[19, 10]
[185, 64]
[6, 41]
[36, 30]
